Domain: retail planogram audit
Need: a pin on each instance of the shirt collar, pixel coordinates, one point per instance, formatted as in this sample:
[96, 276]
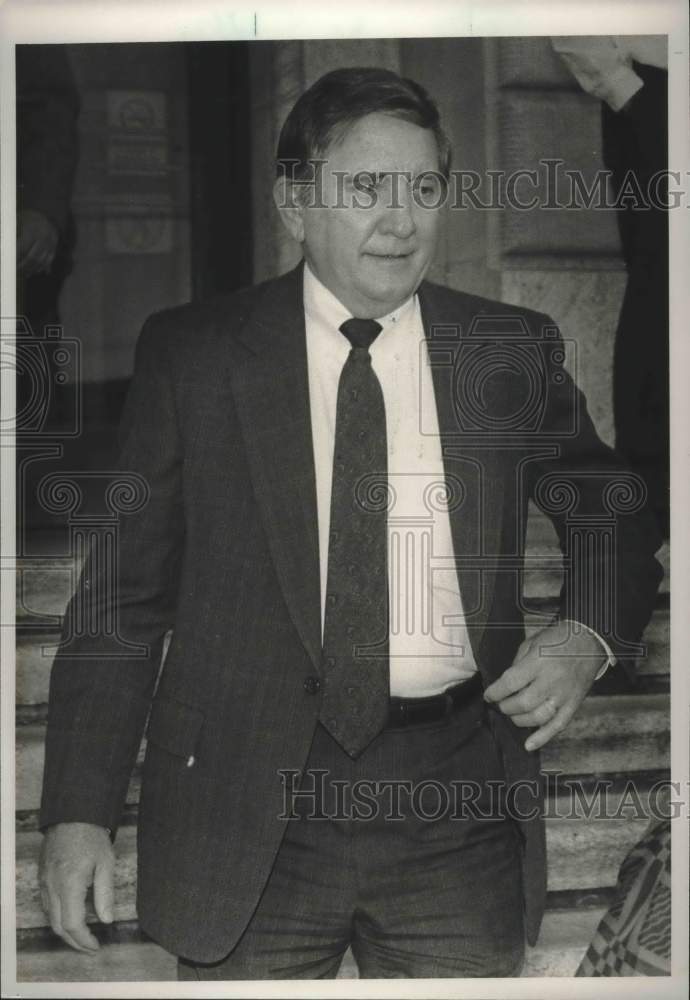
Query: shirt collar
[321, 305]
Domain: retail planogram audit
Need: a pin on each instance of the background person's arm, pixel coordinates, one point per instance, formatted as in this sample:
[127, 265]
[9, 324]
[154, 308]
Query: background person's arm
[599, 67]
[47, 152]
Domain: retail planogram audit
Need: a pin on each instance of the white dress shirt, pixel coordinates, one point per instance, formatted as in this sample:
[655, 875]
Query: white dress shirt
[429, 646]
[602, 64]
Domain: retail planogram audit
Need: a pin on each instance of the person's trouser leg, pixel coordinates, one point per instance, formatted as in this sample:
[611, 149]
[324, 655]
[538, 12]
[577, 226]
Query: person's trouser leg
[440, 892]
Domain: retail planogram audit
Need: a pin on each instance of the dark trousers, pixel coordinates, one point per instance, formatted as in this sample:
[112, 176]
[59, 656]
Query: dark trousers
[395, 854]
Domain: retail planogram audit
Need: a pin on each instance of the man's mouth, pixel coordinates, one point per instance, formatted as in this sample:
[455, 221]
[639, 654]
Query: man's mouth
[391, 256]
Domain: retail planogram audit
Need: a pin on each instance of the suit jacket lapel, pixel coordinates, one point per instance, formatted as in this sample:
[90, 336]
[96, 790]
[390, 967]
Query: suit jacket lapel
[476, 521]
[271, 391]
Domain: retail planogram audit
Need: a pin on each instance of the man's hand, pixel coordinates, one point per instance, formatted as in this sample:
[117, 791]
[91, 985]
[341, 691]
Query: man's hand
[73, 855]
[549, 677]
[37, 240]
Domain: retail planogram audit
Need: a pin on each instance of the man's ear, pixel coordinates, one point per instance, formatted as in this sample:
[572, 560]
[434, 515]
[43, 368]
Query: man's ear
[290, 208]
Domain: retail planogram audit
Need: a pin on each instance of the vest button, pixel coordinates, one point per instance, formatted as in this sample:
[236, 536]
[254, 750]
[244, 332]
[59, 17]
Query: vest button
[312, 684]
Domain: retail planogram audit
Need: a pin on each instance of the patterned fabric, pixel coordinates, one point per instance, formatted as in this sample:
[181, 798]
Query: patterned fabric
[355, 639]
[634, 936]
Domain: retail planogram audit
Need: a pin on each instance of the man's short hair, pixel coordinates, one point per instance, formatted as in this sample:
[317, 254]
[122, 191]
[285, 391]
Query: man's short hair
[332, 105]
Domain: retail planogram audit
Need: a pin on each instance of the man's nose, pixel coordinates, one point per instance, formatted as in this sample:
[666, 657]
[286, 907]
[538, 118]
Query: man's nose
[398, 215]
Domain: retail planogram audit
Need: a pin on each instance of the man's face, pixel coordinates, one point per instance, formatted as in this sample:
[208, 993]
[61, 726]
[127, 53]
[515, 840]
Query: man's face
[373, 242]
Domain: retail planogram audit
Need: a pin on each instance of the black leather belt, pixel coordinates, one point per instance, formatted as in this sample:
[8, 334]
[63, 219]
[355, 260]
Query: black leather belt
[412, 711]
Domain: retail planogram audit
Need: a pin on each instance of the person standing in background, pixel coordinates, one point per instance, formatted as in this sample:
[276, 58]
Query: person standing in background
[47, 152]
[628, 73]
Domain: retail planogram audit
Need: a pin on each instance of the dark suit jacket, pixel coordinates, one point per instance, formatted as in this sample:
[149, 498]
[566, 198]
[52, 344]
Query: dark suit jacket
[226, 553]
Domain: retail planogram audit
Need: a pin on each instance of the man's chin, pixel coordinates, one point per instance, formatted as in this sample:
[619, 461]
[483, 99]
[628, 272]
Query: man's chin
[389, 292]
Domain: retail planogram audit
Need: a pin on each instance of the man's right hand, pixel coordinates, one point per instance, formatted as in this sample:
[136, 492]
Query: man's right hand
[74, 855]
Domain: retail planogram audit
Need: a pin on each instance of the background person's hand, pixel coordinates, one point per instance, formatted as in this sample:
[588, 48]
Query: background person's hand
[548, 679]
[74, 855]
[37, 240]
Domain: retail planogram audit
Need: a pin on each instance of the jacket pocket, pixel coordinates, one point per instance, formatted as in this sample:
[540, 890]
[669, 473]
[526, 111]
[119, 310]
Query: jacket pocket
[175, 727]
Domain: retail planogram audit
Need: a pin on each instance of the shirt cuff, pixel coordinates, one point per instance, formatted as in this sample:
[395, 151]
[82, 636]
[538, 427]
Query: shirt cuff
[618, 88]
[599, 67]
[611, 659]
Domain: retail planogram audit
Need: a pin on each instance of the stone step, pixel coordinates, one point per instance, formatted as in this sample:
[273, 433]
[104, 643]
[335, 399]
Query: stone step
[34, 658]
[45, 583]
[140, 961]
[611, 733]
[542, 549]
[564, 938]
[585, 852]
[35, 654]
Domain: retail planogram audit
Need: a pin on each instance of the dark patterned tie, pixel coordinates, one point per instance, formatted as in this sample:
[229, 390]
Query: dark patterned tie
[355, 640]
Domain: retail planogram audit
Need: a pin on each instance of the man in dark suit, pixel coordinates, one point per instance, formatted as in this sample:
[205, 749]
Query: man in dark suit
[338, 464]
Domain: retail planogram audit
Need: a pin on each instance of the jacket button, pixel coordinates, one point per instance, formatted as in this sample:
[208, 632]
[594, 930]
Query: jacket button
[311, 684]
